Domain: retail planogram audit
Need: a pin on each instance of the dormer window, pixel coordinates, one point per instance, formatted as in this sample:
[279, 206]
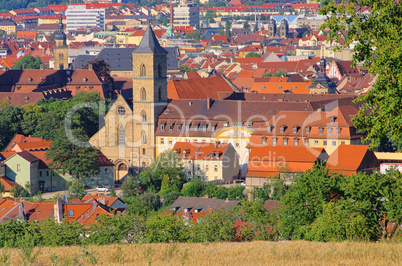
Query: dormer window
[205, 128]
[217, 155]
[269, 129]
[296, 142]
[308, 130]
[196, 128]
[249, 125]
[295, 129]
[225, 124]
[184, 154]
[171, 127]
[285, 142]
[329, 131]
[282, 130]
[264, 141]
[163, 127]
[332, 119]
[320, 131]
[274, 141]
[338, 132]
[178, 127]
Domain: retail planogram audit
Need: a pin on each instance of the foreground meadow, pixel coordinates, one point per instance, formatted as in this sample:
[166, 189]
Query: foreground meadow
[257, 253]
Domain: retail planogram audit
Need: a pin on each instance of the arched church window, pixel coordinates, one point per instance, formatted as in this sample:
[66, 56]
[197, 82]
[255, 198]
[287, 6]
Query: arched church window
[122, 136]
[144, 116]
[143, 70]
[143, 94]
[61, 56]
[143, 137]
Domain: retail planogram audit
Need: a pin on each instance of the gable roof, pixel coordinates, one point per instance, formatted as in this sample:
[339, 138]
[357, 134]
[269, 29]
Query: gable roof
[200, 88]
[150, 44]
[202, 204]
[8, 183]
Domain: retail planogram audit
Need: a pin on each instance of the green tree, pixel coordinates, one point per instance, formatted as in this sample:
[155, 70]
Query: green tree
[267, 75]
[252, 55]
[28, 62]
[72, 157]
[101, 68]
[194, 188]
[303, 202]
[144, 204]
[280, 74]
[381, 106]
[227, 29]
[184, 68]
[255, 27]
[77, 189]
[221, 30]
[165, 229]
[130, 187]
[210, 15]
[246, 26]
[167, 163]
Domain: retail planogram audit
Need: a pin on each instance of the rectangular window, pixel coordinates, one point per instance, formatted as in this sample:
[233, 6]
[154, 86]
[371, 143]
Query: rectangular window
[343, 142]
[338, 132]
[106, 171]
[162, 141]
[269, 129]
[47, 184]
[178, 127]
[163, 127]
[170, 127]
[237, 144]
[213, 128]
[324, 143]
[329, 131]
[264, 141]
[285, 142]
[225, 124]
[296, 142]
[307, 130]
[198, 167]
[294, 130]
[187, 128]
[249, 125]
[205, 128]
[64, 183]
[40, 173]
[274, 141]
[54, 184]
[196, 128]
[315, 142]
[282, 129]
[170, 141]
[143, 151]
[18, 168]
[334, 143]
[207, 167]
[71, 213]
[215, 168]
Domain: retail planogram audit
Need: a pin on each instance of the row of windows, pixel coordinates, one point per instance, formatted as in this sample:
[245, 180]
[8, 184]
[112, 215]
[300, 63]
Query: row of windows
[296, 142]
[122, 136]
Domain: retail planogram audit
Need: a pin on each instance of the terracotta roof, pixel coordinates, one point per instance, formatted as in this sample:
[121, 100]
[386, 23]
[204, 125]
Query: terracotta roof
[271, 205]
[38, 211]
[350, 159]
[108, 200]
[201, 89]
[284, 87]
[8, 209]
[288, 67]
[200, 151]
[8, 183]
[249, 60]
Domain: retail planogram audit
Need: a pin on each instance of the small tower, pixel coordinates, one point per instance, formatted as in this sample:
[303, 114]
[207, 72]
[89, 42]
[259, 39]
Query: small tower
[284, 29]
[149, 93]
[323, 84]
[60, 49]
[272, 28]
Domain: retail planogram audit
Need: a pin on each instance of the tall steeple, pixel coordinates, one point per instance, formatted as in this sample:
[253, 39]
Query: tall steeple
[60, 48]
[150, 44]
[60, 36]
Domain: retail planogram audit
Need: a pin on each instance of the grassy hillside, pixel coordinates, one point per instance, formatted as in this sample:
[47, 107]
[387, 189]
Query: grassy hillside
[257, 253]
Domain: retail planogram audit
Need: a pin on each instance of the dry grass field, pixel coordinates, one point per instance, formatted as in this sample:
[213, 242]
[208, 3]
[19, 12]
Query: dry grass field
[252, 253]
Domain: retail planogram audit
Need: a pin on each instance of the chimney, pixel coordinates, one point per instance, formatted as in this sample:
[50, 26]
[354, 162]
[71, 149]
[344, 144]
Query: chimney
[171, 15]
[206, 196]
[89, 66]
[58, 210]
[42, 137]
[209, 210]
[227, 199]
[102, 200]
[209, 103]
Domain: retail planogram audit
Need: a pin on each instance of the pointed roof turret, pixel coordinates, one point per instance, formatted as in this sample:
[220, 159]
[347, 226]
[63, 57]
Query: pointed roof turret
[150, 44]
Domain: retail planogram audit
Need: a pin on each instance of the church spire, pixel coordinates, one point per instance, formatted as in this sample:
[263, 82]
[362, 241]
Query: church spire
[150, 44]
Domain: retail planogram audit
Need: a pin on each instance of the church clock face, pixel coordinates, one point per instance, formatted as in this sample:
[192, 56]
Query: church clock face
[121, 110]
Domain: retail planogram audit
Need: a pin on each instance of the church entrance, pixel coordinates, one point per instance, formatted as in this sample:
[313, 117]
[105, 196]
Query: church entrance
[122, 171]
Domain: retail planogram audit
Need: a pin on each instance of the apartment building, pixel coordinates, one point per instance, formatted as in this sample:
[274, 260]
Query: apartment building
[78, 17]
[186, 15]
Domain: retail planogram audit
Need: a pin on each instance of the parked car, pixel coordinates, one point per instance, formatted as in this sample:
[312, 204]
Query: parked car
[102, 189]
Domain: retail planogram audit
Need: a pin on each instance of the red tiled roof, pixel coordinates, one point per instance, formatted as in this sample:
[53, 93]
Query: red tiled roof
[202, 89]
[8, 183]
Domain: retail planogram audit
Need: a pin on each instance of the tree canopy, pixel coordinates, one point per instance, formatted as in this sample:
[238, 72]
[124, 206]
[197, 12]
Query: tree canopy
[28, 62]
[377, 42]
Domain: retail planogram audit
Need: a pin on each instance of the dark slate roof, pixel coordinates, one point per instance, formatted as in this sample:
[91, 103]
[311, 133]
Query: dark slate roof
[81, 60]
[202, 204]
[28, 156]
[150, 44]
[119, 59]
[172, 58]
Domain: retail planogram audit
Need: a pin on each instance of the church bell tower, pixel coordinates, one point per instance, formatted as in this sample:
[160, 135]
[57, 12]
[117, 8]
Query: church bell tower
[60, 49]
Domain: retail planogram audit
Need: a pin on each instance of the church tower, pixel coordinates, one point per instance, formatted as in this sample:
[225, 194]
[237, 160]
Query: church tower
[149, 94]
[272, 28]
[323, 84]
[60, 49]
[284, 29]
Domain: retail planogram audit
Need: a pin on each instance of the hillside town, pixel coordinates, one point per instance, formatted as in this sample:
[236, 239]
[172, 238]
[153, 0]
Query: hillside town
[244, 96]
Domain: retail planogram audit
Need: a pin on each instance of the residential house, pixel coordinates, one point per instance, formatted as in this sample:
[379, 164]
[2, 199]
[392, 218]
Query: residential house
[8, 26]
[194, 209]
[213, 162]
